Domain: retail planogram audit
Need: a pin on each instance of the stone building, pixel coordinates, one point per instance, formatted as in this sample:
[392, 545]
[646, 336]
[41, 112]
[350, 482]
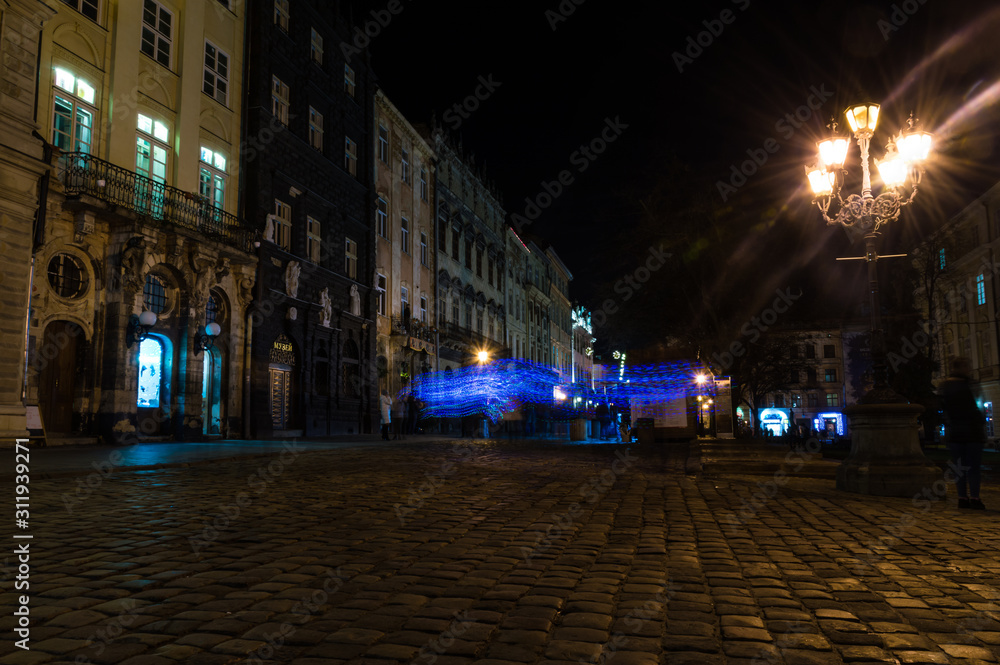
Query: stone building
[471, 260]
[560, 315]
[516, 285]
[24, 170]
[405, 255]
[538, 301]
[583, 347]
[958, 297]
[309, 188]
[140, 218]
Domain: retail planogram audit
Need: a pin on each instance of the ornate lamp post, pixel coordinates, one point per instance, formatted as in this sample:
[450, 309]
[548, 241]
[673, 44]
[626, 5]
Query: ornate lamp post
[864, 214]
[885, 456]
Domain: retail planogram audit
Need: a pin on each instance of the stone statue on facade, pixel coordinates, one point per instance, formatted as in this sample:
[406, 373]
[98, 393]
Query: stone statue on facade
[326, 305]
[269, 229]
[292, 279]
[133, 260]
[355, 301]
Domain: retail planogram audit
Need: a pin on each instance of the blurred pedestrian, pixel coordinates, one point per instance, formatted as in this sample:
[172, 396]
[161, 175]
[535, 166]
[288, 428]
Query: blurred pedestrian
[965, 427]
[385, 414]
[604, 418]
[397, 418]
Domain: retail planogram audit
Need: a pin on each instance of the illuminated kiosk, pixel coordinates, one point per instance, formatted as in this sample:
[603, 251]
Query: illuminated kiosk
[775, 421]
[885, 457]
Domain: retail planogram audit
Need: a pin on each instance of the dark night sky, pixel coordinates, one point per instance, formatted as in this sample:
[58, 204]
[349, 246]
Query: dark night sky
[609, 60]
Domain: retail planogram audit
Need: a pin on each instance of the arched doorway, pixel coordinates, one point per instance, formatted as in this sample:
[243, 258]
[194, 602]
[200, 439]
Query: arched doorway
[211, 392]
[153, 389]
[57, 379]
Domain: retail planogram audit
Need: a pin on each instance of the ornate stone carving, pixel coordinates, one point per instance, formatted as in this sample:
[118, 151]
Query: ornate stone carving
[133, 263]
[245, 290]
[292, 279]
[326, 306]
[202, 267]
[292, 313]
[221, 269]
[269, 229]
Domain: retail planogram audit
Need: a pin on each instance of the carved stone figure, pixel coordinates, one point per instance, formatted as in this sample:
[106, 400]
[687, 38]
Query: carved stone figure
[269, 229]
[245, 286]
[327, 306]
[203, 282]
[292, 313]
[292, 279]
[355, 301]
[133, 259]
[221, 269]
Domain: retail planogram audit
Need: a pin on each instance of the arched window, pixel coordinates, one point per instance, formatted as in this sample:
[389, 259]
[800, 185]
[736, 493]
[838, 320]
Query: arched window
[154, 295]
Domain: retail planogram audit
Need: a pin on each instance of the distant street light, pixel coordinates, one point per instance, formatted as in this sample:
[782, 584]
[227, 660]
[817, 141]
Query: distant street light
[864, 214]
[483, 357]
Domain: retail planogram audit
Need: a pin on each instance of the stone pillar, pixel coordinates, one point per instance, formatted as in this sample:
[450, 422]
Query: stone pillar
[21, 166]
[885, 457]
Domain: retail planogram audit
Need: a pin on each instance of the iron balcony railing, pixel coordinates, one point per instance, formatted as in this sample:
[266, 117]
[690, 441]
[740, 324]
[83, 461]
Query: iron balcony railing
[86, 174]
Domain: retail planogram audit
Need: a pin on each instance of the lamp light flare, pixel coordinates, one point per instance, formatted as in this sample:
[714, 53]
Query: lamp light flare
[821, 180]
[914, 146]
[833, 152]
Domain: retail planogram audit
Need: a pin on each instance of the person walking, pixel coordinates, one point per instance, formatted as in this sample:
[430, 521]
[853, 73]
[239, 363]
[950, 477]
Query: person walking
[385, 414]
[965, 427]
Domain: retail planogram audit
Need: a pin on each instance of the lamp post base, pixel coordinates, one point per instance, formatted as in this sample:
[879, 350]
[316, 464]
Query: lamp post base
[885, 458]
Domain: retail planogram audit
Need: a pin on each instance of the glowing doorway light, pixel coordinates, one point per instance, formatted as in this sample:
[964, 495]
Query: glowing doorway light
[150, 370]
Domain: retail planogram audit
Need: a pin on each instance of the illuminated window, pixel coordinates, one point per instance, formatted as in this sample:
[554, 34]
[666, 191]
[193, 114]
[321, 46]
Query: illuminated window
[832, 399]
[154, 295]
[86, 7]
[941, 259]
[157, 29]
[279, 100]
[281, 14]
[315, 129]
[404, 226]
[980, 289]
[423, 184]
[382, 218]
[380, 290]
[316, 47]
[282, 225]
[216, 83]
[383, 144]
[151, 151]
[405, 166]
[73, 115]
[349, 84]
[830, 375]
[350, 156]
[212, 177]
[351, 258]
[314, 239]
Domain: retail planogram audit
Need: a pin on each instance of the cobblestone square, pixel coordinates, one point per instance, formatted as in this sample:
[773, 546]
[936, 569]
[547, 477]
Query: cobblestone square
[459, 552]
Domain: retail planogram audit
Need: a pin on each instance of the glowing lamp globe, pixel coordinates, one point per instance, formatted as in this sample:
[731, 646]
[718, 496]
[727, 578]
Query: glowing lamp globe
[213, 329]
[833, 152]
[893, 168]
[147, 319]
[862, 118]
[914, 146]
[821, 180]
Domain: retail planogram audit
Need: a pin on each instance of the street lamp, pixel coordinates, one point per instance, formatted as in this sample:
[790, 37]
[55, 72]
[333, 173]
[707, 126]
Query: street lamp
[206, 340]
[863, 214]
[138, 327]
[885, 457]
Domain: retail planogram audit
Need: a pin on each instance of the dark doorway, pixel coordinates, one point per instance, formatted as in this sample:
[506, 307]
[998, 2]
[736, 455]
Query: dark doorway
[57, 379]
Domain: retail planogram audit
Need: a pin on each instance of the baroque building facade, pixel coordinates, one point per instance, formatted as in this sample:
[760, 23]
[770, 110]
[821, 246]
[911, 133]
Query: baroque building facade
[560, 316]
[517, 331]
[142, 131]
[471, 260]
[405, 255]
[24, 170]
[310, 189]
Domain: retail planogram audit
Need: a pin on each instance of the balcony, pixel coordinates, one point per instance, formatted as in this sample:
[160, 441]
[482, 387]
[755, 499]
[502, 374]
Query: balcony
[85, 174]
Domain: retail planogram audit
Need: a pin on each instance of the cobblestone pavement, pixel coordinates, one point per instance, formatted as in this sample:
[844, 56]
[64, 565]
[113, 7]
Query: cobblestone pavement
[494, 553]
